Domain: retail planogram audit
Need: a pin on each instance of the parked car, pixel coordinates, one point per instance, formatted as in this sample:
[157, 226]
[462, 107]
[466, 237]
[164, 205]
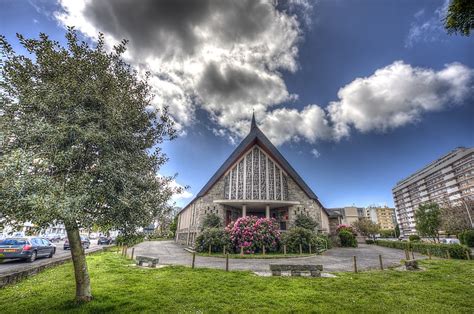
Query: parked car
[104, 240]
[53, 237]
[86, 243]
[26, 248]
[450, 241]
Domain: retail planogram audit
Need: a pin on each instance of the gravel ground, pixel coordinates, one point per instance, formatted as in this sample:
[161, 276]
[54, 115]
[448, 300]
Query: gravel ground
[337, 259]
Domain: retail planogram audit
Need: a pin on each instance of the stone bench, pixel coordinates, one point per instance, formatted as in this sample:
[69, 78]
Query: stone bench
[295, 270]
[151, 261]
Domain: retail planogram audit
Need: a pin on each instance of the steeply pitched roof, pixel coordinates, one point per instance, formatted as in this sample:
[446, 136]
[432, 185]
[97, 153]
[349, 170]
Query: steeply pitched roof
[256, 136]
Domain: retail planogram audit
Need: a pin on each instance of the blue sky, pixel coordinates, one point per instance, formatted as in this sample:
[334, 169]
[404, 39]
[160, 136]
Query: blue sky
[356, 94]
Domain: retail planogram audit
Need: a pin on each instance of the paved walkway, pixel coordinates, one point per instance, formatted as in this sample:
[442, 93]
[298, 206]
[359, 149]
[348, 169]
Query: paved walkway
[337, 259]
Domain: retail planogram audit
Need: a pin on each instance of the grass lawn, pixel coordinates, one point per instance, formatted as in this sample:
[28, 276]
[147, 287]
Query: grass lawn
[446, 286]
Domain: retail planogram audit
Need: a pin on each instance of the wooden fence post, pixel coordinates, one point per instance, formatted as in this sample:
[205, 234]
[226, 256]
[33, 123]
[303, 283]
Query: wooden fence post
[380, 260]
[227, 262]
[310, 249]
[263, 250]
[133, 252]
[355, 264]
[194, 260]
[210, 249]
[429, 254]
[301, 249]
[284, 249]
[241, 251]
[126, 251]
[224, 249]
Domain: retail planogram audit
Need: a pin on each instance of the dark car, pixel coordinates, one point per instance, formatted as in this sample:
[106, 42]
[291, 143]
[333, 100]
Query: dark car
[86, 243]
[26, 248]
[104, 240]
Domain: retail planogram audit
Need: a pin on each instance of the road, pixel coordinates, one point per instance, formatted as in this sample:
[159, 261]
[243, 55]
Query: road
[336, 259]
[10, 266]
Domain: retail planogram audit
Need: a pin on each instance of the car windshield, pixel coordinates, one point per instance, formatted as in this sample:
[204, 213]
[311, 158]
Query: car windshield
[13, 242]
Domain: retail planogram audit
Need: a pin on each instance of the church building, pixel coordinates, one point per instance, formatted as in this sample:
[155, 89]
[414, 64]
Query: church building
[255, 180]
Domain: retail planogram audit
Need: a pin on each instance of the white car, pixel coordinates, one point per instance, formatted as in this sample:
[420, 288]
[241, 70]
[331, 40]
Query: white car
[450, 241]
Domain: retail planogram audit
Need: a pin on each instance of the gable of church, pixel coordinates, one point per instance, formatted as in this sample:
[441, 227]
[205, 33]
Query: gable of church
[256, 176]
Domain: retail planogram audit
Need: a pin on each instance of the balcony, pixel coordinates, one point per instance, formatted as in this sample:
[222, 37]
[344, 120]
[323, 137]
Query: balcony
[452, 190]
[449, 183]
[447, 169]
[449, 176]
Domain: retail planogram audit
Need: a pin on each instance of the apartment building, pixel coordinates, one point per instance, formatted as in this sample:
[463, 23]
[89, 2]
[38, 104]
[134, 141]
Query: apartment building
[384, 216]
[449, 178]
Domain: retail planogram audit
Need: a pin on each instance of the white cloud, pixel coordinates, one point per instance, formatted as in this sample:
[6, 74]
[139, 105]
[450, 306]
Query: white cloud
[315, 153]
[396, 95]
[227, 57]
[184, 195]
[284, 125]
[427, 29]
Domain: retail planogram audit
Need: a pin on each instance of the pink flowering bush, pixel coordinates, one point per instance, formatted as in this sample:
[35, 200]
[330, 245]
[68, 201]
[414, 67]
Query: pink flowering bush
[345, 227]
[253, 233]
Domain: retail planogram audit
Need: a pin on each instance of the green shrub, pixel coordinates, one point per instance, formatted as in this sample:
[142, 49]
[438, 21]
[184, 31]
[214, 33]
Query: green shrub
[437, 249]
[347, 238]
[214, 237]
[467, 237]
[414, 238]
[369, 241]
[306, 222]
[387, 233]
[298, 235]
[211, 220]
[130, 239]
[327, 240]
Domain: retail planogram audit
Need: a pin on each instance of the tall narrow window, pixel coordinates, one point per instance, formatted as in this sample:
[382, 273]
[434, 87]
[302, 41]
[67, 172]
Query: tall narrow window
[255, 174]
[248, 175]
[263, 176]
[271, 180]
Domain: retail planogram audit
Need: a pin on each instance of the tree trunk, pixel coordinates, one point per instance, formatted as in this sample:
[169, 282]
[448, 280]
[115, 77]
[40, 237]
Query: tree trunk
[83, 285]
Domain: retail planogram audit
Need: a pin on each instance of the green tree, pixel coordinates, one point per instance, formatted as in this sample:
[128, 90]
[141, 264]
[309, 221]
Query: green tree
[366, 227]
[306, 222]
[460, 17]
[397, 231]
[174, 226]
[428, 220]
[211, 220]
[80, 144]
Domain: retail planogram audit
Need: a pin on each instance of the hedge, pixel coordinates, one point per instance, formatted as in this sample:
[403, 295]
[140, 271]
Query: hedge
[455, 250]
[467, 237]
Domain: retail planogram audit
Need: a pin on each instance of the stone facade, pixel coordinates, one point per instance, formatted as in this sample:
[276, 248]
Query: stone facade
[204, 205]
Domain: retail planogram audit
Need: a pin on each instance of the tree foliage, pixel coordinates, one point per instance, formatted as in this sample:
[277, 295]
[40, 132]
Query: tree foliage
[428, 220]
[80, 143]
[306, 222]
[366, 227]
[460, 17]
[456, 217]
[211, 220]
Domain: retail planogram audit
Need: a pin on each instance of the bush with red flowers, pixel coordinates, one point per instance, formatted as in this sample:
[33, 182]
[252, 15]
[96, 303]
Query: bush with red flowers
[347, 228]
[253, 233]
